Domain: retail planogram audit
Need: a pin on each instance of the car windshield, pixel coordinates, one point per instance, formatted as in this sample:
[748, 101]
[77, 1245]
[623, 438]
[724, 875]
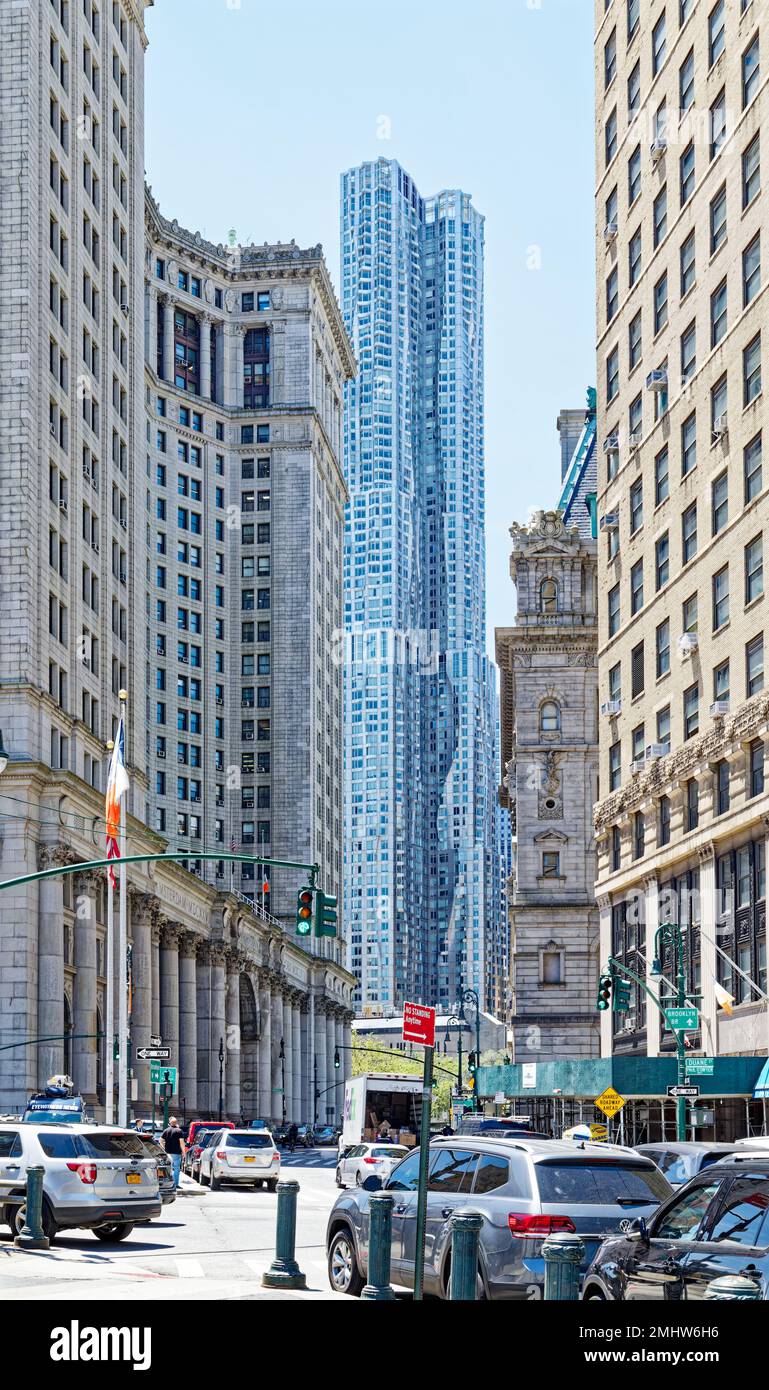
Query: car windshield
[678, 1168]
[600, 1183]
[248, 1141]
[392, 1151]
[102, 1144]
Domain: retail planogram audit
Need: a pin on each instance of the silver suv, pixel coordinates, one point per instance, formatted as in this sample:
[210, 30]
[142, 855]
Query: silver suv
[524, 1189]
[95, 1177]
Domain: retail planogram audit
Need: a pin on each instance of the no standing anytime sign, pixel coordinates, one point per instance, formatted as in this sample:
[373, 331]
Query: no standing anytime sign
[419, 1024]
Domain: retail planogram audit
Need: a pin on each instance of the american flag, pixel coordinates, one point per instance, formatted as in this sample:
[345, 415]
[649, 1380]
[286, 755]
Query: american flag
[117, 785]
[233, 847]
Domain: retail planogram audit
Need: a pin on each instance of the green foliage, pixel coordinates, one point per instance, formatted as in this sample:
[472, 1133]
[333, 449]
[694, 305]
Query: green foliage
[369, 1057]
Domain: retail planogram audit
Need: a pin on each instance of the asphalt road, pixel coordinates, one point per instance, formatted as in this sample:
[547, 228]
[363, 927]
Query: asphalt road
[206, 1245]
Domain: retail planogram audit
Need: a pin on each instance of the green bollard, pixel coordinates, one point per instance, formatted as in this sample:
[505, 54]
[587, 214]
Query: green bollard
[465, 1237]
[379, 1246]
[734, 1287]
[563, 1254]
[284, 1272]
[32, 1236]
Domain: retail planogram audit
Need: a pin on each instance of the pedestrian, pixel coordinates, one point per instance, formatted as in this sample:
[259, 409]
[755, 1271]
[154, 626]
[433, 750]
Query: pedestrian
[292, 1136]
[172, 1141]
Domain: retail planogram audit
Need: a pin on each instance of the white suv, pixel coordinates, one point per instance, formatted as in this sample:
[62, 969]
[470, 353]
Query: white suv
[95, 1177]
[240, 1155]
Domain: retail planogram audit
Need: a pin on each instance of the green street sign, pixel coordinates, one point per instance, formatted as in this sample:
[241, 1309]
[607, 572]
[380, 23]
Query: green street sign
[683, 1020]
[700, 1066]
[161, 1075]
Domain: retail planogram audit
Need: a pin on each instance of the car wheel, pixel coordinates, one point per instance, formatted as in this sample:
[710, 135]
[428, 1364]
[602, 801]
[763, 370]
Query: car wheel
[213, 1182]
[17, 1216]
[113, 1231]
[594, 1296]
[339, 1182]
[344, 1275]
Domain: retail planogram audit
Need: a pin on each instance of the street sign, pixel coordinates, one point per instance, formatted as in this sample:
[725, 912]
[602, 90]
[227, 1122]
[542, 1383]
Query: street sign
[691, 1092]
[153, 1054]
[161, 1075]
[156, 1041]
[683, 1020]
[700, 1066]
[610, 1101]
[599, 1134]
[419, 1024]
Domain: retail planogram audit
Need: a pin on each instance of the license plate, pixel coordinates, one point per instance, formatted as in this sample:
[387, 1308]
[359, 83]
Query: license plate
[133, 1177]
[249, 1158]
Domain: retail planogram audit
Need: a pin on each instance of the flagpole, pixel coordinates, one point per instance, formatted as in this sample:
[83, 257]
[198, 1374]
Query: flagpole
[122, 954]
[109, 1041]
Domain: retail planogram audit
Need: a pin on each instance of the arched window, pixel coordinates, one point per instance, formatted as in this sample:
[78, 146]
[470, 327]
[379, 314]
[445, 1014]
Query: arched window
[548, 596]
[550, 717]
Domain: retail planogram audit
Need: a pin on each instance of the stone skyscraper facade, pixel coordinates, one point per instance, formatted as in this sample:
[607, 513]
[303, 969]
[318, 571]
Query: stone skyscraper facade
[421, 858]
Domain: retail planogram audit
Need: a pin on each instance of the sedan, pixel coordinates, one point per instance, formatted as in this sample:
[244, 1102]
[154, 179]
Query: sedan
[682, 1161]
[366, 1160]
[715, 1225]
[240, 1156]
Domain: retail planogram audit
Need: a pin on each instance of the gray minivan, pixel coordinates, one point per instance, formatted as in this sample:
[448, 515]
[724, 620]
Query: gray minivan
[525, 1189]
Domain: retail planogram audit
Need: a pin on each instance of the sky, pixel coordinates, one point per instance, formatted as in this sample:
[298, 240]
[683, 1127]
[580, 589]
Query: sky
[253, 109]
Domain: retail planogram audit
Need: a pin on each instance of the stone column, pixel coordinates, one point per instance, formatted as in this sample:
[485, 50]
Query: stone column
[168, 339]
[50, 964]
[203, 997]
[152, 329]
[265, 1048]
[232, 1036]
[708, 953]
[155, 978]
[331, 1073]
[205, 322]
[276, 1009]
[299, 1113]
[288, 1049]
[233, 364]
[218, 1027]
[344, 1062]
[144, 909]
[319, 1106]
[188, 1022]
[169, 990]
[84, 996]
[306, 1059]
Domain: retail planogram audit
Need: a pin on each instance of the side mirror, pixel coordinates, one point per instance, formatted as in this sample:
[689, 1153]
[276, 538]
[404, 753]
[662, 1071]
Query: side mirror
[372, 1184]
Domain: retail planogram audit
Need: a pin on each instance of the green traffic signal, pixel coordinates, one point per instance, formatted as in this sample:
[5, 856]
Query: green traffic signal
[326, 915]
[304, 912]
[604, 992]
[472, 1063]
[622, 992]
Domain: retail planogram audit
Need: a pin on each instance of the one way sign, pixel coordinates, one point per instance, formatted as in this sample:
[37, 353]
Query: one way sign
[153, 1054]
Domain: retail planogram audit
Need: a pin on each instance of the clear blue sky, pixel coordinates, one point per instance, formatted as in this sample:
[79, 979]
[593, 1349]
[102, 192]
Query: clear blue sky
[252, 112]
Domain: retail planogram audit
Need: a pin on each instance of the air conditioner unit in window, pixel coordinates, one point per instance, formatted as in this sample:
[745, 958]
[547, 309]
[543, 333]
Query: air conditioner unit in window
[609, 522]
[658, 148]
[64, 507]
[657, 380]
[159, 753]
[52, 428]
[220, 702]
[184, 660]
[720, 426]
[194, 796]
[654, 751]
[248, 738]
[634, 441]
[122, 576]
[688, 642]
[180, 758]
[719, 708]
[611, 708]
[637, 765]
[124, 308]
[610, 232]
[611, 444]
[86, 471]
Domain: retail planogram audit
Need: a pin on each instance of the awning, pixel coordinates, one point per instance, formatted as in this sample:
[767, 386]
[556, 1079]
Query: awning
[761, 1088]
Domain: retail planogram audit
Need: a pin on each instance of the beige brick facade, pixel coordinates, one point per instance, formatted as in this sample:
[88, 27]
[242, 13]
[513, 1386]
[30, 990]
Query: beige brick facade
[681, 230]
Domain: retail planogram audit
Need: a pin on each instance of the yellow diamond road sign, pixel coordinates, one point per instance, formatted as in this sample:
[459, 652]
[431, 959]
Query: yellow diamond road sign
[609, 1101]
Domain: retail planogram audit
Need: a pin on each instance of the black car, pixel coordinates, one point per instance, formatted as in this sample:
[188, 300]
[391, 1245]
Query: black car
[716, 1224]
[324, 1135]
[165, 1169]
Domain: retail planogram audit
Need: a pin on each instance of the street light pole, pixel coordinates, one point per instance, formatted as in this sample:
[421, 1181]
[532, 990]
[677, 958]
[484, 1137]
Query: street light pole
[470, 996]
[315, 1088]
[221, 1076]
[670, 934]
[283, 1077]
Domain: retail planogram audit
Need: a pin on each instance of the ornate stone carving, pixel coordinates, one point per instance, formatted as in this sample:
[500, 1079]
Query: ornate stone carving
[55, 856]
[170, 934]
[229, 301]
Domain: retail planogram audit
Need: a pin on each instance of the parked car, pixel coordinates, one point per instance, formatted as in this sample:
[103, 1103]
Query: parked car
[680, 1162]
[240, 1155]
[165, 1170]
[198, 1135]
[525, 1189]
[366, 1160]
[95, 1177]
[306, 1136]
[716, 1224]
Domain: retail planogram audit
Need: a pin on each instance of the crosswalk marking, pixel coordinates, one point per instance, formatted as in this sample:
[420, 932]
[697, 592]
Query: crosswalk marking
[190, 1269]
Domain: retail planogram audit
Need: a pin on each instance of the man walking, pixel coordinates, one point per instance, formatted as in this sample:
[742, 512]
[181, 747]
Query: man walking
[172, 1141]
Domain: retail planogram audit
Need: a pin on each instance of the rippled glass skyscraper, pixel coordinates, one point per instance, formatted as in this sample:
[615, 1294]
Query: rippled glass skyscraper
[422, 907]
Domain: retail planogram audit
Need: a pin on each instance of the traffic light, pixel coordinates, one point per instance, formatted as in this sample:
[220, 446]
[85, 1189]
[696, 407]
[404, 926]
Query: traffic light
[325, 918]
[605, 985]
[337, 1059]
[304, 912]
[621, 1003]
[472, 1064]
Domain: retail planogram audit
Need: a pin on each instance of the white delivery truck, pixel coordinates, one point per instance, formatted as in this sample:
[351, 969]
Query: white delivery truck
[381, 1098]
